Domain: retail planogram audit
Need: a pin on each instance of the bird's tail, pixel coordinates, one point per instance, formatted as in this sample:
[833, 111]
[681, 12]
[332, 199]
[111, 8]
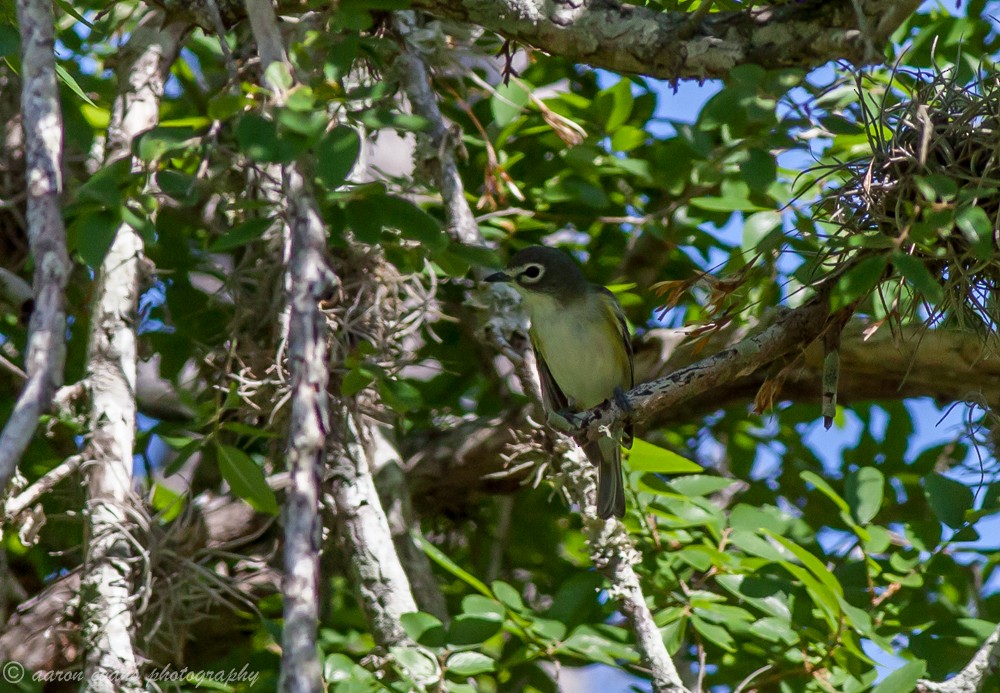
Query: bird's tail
[606, 454]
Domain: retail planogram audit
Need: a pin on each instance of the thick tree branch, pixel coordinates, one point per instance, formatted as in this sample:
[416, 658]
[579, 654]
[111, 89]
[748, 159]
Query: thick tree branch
[42, 120]
[377, 572]
[112, 661]
[971, 678]
[677, 45]
[310, 280]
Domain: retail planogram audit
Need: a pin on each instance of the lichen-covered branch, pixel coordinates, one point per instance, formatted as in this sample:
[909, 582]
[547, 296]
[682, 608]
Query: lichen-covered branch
[614, 555]
[43, 127]
[310, 280]
[439, 140]
[112, 659]
[362, 527]
[973, 676]
[679, 45]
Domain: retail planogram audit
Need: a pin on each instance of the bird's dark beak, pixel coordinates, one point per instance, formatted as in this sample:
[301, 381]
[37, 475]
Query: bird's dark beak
[498, 277]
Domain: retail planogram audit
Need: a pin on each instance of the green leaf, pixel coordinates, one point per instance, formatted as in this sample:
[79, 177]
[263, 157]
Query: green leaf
[412, 222]
[225, 105]
[949, 499]
[758, 227]
[813, 564]
[864, 490]
[700, 484]
[399, 395]
[278, 75]
[417, 663]
[904, 679]
[336, 155]
[473, 629]
[240, 235]
[507, 103]
[107, 184]
[425, 629]
[613, 105]
[548, 628]
[627, 138]
[825, 488]
[246, 479]
[469, 664]
[479, 605]
[936, 187]
[356, 380]
[715, 633]
[258, 139]
[507, 595]
[759, 170]
[155, 143]
[310, 125]
[167, 502]
[726, 204]
[10, 41]
[646, 457]
[916, 272]
[861, 278]
[442, 559]
[977, 228]
[68, 80]
[91, 235]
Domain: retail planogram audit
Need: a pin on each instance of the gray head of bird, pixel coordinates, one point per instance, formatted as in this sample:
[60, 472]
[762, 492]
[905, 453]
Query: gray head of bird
[543, 270]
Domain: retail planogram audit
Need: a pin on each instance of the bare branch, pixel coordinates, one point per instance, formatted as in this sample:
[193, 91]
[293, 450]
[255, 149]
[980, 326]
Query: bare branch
[43, 129]
[612, 547]
[439, 139]
[33, 494]
[310, 280]
[379, 577]
[677, 45]
[394, 493]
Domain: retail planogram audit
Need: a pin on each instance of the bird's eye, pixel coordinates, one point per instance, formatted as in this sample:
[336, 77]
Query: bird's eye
[532, 272]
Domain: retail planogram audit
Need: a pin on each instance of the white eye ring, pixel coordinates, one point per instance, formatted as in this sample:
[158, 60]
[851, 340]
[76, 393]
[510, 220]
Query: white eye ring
[532, 273]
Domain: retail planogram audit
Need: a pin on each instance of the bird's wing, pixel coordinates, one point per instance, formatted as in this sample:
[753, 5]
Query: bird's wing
[552, 397]
[616, 308]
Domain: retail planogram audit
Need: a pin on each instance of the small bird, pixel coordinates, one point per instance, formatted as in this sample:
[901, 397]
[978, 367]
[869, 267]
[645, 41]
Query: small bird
[583, 351]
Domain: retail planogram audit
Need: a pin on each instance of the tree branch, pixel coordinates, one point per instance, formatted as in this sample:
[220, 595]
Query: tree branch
[614, 554]
[676, 45]
[971, 678]
[310, 280]
[108, 609]
[43, 127]
[796, 329]
[377, 572]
